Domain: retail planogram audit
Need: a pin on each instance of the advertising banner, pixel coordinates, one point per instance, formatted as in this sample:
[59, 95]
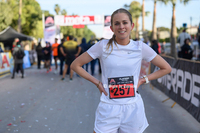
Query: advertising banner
[107, 32]
[4, 64]
[50, 34]
[51, 31]
[182, 84]
[78, 20]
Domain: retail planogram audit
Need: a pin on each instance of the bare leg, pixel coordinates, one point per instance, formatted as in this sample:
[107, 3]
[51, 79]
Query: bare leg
[48, 64]
[65, 71]
[56, 63]
[71, 73]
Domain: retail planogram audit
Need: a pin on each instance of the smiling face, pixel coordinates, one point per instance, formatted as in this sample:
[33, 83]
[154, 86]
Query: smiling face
[121, 26]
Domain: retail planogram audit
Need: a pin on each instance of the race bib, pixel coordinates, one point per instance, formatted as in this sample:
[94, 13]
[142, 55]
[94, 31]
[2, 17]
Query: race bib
[121, 87]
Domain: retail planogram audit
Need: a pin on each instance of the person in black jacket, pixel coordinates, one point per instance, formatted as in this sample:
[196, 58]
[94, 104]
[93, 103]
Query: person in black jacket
[40, 54]
[154, 46]
[84, 47]
[186, 50]
[93, 62]
[18, 54]
[47, 56]
[60, 56]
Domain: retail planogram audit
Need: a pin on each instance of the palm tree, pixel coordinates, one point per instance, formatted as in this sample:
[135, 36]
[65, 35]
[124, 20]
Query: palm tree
[20, 14]
[64, 12]
[173, 28]
[57, 9]
[135, 9]
[154, 29]
[143, 15]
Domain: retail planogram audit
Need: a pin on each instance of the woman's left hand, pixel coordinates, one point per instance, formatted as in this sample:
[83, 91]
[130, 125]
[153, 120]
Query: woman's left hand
[140, 82]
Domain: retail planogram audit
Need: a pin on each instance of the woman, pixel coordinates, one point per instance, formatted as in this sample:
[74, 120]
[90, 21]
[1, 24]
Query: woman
[186, 50]
[121, 108]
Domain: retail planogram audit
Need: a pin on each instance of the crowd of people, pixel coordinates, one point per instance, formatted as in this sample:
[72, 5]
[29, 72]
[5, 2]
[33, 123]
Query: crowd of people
[64, 53]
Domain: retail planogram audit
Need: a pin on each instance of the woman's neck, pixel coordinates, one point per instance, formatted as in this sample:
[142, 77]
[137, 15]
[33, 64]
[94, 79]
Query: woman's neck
[122, 41]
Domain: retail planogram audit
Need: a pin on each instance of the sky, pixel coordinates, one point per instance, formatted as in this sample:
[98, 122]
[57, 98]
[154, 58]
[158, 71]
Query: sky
[189, 13]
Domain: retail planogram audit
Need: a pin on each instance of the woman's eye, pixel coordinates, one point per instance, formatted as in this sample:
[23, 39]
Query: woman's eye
[116, 23]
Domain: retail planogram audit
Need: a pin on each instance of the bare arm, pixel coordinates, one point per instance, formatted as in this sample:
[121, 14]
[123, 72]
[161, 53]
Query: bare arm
[62, 51]
[77, 67]
[79, 51]
[165, 68]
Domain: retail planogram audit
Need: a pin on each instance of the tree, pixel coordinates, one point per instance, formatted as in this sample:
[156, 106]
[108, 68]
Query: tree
[64, 12]
[143, 15]
[57, 9]
[6, 15]
[19, 18]
[136, 11]
[46, 13]
[173, 27]
[154, 29]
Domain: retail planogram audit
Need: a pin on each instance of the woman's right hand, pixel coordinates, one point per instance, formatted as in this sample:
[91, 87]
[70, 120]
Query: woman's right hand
[101, 89]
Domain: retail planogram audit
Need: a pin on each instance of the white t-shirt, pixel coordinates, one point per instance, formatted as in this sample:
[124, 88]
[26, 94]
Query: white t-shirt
[121, 62]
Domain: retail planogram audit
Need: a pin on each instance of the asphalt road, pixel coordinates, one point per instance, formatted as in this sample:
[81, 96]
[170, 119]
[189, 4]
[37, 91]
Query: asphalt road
[42, 103]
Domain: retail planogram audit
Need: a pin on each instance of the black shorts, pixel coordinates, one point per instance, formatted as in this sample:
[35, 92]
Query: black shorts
[69, 60]
[55, 57]
[46, 58]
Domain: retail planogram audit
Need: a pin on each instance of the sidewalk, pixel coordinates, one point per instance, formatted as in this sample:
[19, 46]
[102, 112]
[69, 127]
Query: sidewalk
[42, 103]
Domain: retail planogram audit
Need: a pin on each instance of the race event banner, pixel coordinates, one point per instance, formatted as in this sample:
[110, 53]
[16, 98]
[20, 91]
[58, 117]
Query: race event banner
[107, 32]
[64, 20]
[182, 84]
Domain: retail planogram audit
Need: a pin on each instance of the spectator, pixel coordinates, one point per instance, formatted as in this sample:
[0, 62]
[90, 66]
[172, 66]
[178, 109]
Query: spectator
[182, 37]
[40, 54]
[60, 56]
[155, 46]
[70, 55]
[93, 62]
[84, 47]
[186, 50]
[18, 54]
[47, 56]
[54, 48]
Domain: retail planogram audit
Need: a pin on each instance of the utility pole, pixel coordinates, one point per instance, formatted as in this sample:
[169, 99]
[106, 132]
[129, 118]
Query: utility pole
[20, 14]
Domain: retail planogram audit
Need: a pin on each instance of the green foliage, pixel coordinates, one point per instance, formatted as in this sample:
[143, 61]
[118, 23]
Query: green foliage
[163, 29]
[31, 17]
[46, 13]
[179, 30]
[6, 15]
[57, 9]
[167, 39]
[64, 12]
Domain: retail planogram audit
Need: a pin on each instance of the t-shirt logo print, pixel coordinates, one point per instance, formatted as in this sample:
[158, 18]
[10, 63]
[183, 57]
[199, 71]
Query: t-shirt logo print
[112, 81]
